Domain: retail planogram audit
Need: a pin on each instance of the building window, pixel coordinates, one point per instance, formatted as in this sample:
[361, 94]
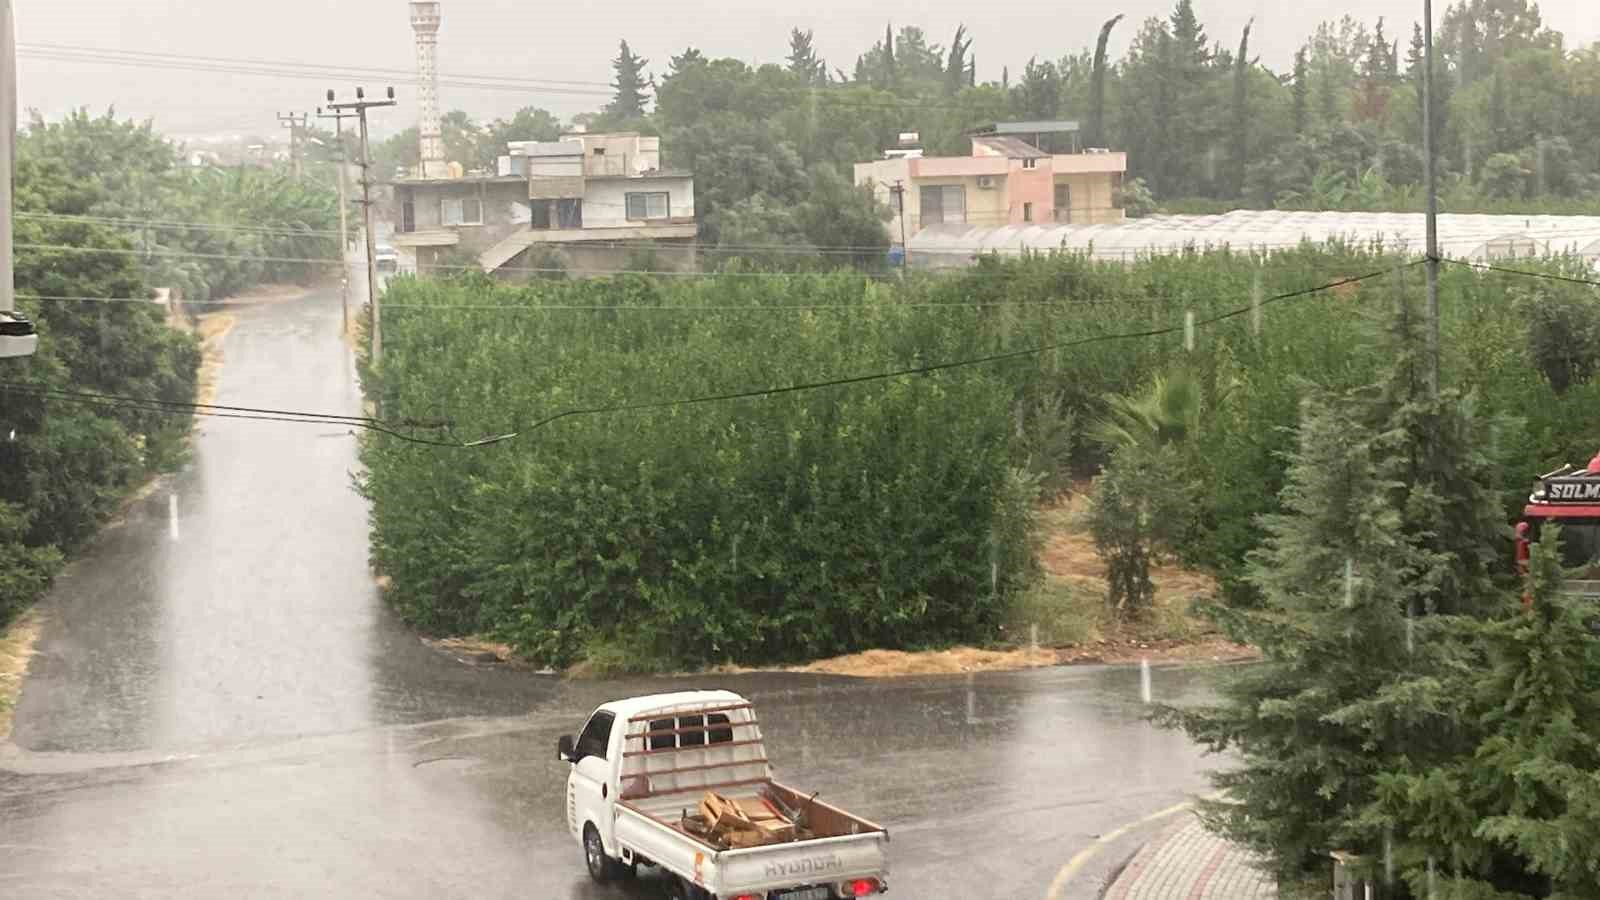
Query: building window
[1030, 163]
[1064, 203]
[652, 205]
[408, 215]
[944, 204]
[1027, 211]
[461, 211]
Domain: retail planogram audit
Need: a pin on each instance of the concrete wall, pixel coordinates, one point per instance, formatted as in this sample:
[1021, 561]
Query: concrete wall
[589, 260]
[605, 199]
[1036, 186]
[1092, 199]
[505, 209]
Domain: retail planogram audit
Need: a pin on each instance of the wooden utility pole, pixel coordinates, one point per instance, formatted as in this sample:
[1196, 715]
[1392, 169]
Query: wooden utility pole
[1430, 175]
[344, 203]
[295, 124]
[360, 105]
[899, 192]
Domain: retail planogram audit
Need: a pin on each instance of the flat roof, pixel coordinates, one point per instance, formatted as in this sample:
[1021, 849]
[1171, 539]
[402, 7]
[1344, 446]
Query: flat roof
[1034, 126]
[1013, 148]
[465, 179]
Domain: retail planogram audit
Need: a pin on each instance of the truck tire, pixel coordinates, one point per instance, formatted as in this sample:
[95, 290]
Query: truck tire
[602, 868]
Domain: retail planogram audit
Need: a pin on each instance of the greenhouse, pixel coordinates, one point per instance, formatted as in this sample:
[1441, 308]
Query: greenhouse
[1469, 237]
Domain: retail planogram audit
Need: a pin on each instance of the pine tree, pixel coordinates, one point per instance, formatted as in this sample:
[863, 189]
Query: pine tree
[1388, 514]
[1096, 136]
[803, 62]
[629, 100]
[1302, 92]
[1516, 807]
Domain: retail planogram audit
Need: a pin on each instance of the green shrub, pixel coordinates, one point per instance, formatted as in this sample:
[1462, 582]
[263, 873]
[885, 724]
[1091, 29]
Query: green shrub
[884, 513]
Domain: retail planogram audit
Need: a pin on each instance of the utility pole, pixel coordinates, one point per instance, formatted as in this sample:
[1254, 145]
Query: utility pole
[361, 105]
[295, 124]
[344, 203]
[899, 192]
[1435, 351]
[18, 337]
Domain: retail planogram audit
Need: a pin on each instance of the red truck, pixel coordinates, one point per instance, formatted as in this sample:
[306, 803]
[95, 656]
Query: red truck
[1569, 497]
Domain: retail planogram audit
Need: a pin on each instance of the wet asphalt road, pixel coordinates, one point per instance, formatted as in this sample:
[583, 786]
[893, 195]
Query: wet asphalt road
[221, 706]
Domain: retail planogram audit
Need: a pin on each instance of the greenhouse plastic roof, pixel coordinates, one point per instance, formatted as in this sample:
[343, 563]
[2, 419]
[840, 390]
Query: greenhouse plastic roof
[1474, 237]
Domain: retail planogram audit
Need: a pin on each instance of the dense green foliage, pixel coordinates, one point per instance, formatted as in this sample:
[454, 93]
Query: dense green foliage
[594, 521]
[207, 231]
[68, 463]
[765, 528]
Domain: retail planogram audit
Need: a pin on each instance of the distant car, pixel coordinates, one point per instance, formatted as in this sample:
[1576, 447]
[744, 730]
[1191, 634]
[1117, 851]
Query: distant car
[387, 259]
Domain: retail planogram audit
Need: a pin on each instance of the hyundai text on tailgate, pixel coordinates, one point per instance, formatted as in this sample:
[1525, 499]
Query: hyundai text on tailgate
[682, 782]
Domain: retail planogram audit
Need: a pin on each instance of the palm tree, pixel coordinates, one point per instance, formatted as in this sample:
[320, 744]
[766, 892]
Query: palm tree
[1166, 413]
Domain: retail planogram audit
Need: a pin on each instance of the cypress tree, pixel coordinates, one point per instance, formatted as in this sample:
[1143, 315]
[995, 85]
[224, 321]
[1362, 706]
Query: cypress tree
[1301, 92]
[1097, 87]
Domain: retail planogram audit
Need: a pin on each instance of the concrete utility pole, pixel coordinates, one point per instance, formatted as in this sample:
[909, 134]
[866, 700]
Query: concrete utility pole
[17, 335]
[1429, 174]
[295, 124]
[344, 202]
[361, 105]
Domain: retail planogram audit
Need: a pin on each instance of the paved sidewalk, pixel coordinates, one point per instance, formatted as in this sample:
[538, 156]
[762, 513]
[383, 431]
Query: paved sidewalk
[1186, 862]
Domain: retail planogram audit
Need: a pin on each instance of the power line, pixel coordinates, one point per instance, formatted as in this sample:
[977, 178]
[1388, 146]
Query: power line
[388, 428]
[310, 71]
[166, 224]
[927, 369]
[1550, 276]
[348, 70]
[211, 410]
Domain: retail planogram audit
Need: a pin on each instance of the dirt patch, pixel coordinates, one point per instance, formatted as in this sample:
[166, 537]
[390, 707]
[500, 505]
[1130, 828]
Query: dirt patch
[1068, 553]
[897, 663]
[16, 647]
[477, 651]
[213, 328]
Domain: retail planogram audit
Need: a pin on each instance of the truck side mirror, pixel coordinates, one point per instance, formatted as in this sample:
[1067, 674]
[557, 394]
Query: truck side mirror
[564, 751]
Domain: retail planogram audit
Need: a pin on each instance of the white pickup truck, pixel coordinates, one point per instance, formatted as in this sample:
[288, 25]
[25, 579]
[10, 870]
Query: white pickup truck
[641, 763]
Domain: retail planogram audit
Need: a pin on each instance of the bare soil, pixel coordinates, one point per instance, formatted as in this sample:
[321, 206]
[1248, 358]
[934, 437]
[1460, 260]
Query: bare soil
[16, 646]
[213, 328]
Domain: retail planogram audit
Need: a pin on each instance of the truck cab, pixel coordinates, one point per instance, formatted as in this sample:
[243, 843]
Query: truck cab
[1571, 498]
[640, 765]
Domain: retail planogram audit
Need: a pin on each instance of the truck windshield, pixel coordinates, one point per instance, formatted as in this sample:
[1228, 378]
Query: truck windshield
[1580, 546]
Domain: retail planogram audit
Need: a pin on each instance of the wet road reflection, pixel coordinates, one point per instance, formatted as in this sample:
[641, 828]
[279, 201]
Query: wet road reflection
[222, 706]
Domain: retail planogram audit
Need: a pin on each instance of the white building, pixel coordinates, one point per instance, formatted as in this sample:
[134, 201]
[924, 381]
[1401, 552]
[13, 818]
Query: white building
[594, 199]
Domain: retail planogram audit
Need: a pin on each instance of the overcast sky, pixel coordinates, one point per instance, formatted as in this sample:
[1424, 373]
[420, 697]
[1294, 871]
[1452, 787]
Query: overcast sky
[573, 42]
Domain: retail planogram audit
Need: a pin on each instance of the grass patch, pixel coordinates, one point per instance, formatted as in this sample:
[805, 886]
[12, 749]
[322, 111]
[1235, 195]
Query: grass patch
[1064, 611]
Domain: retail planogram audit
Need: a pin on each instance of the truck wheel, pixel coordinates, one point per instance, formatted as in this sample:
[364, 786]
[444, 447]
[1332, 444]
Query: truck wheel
[602, 868]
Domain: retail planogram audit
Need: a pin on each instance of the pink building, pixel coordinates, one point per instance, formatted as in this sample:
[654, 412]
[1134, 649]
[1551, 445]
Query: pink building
[1006, 181]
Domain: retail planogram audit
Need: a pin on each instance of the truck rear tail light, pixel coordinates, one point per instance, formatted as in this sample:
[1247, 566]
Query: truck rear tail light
[861, 887]
[744, 897]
